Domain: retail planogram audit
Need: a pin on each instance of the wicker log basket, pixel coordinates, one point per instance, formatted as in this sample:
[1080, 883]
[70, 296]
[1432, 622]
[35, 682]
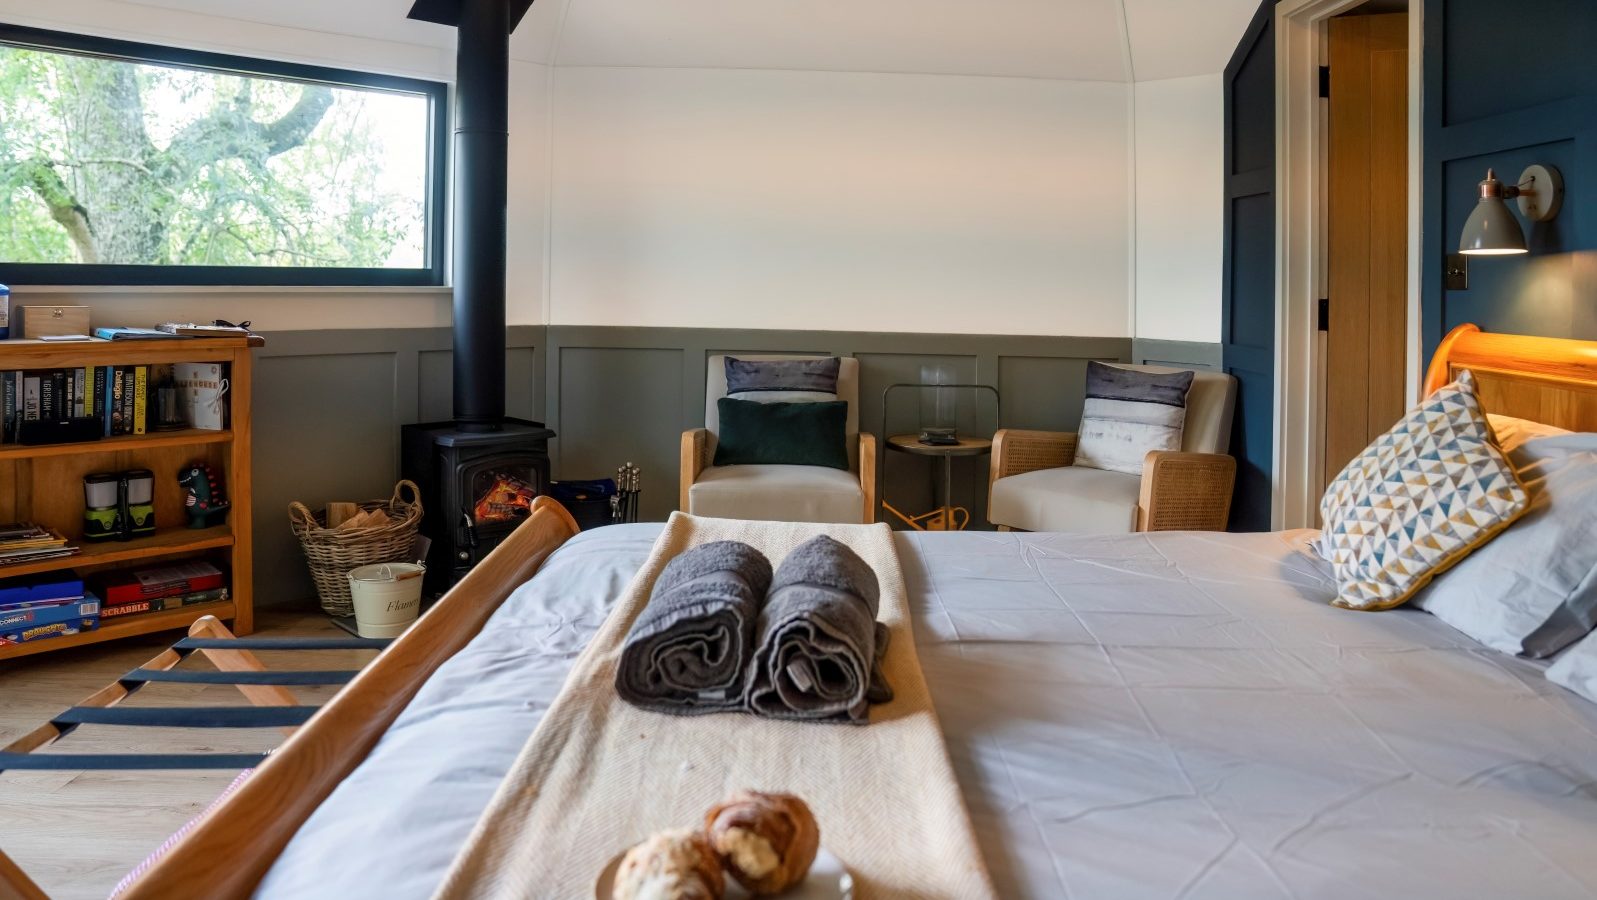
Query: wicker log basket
[333, 552]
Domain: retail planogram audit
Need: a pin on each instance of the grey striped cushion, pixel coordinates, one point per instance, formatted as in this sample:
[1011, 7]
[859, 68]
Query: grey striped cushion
[1127, 414]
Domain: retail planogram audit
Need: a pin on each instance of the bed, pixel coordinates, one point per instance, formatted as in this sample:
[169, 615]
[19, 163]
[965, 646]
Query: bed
[1159, 715]
[1150, 716]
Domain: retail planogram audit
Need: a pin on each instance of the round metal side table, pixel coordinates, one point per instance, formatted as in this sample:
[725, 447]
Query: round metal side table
[943, 517]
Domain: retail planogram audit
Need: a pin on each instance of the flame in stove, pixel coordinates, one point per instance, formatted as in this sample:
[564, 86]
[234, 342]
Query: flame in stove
[507, 498]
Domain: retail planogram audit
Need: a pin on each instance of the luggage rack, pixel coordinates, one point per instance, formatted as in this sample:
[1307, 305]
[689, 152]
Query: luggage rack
[271, 704]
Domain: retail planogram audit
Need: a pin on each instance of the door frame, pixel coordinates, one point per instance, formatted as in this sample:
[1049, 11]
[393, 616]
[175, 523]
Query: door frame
[1301, 214]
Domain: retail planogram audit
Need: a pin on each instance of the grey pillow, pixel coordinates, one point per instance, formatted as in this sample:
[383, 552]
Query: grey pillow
[1127, 414]
[1532, 590]
[1577, 668]
[810, 375]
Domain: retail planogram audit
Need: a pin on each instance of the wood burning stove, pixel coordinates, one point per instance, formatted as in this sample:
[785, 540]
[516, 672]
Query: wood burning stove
[479, 471]
[477, 486]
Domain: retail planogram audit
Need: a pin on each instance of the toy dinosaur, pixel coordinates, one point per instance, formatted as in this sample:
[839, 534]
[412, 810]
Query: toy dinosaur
[206, 502]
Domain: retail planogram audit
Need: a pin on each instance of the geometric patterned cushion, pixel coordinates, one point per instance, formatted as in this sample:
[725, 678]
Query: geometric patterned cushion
[1418, 500]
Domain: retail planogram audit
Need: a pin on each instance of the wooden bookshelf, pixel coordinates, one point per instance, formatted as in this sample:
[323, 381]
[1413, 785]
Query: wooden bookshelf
[44, 484]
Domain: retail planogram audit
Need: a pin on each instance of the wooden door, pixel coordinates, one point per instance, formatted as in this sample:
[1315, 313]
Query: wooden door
[1367, 261]
[1247, 326]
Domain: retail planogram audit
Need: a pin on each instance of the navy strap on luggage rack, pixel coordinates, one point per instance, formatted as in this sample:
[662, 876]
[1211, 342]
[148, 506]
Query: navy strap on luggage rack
[73, 762]
[272, 710]
[282, 678]
[285, 643]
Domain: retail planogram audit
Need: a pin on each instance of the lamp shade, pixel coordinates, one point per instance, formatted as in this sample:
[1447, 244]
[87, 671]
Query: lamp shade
[1491, 229]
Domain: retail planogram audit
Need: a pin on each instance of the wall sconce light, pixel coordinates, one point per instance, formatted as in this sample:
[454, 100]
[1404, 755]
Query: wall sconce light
[1492, 229]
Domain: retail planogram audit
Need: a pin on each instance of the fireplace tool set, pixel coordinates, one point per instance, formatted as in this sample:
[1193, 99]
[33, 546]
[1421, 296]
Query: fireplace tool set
[624, 502]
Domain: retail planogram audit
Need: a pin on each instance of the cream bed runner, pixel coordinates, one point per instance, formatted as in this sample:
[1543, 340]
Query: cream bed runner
[599, 775]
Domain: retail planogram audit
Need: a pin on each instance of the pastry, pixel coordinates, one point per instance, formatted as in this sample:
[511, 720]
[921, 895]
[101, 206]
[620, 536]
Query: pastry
[670, 865]
[767, 841]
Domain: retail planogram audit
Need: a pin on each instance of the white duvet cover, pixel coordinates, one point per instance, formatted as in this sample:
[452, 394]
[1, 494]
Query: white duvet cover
[1171, 715]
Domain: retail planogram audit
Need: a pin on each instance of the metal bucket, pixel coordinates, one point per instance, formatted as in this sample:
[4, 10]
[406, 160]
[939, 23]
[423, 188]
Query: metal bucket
[387, 597]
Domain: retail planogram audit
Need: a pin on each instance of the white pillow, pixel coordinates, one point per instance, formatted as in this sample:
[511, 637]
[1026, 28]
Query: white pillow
[784, 396]
[1577, 668]
[1533, 590]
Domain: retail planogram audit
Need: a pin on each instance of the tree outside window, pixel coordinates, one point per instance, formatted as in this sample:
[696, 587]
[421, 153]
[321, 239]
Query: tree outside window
[112, 162]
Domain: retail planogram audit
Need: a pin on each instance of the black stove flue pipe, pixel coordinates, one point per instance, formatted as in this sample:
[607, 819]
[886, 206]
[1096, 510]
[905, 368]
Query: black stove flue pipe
[481, 170]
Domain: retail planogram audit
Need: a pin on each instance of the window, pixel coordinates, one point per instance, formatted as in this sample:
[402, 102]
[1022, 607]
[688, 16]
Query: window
[125, 163]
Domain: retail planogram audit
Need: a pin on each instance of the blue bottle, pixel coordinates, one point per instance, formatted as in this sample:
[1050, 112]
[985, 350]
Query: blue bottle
[5, 312]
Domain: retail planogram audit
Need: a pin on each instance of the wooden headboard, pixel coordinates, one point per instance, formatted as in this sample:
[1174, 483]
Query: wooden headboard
[1547, 380]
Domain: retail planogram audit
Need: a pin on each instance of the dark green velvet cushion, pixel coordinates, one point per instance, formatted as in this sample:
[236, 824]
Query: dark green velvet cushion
[798, 434]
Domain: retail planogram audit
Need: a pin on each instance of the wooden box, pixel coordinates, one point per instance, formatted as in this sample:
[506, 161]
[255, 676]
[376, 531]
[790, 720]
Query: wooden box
[39, 321]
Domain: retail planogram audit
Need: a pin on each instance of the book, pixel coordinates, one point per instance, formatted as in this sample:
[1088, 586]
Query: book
[18, 557]
[119, 396]
[141, 396]
[94, 395]
[134, 334]
[8, 406]
[23, 542]
[47, 395]
[30, 397]
[156, 582]
[127, 400]
[27, 534]
[194, 329]
[200, 389]
[79, 391]
[113, 400]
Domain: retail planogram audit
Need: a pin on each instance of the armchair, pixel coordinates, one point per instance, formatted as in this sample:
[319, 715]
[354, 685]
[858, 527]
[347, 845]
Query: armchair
[1034, 485]
[778, 492]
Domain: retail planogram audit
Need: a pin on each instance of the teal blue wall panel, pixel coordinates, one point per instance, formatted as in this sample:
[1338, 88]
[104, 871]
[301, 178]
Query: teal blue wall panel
[1517, 86]
[1247, 318]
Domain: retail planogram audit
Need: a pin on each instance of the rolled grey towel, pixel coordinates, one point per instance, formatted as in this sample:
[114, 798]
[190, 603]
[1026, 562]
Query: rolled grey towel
[818, 646]
[688, 651]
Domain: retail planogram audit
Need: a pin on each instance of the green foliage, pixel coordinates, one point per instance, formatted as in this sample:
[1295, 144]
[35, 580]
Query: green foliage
[114, 162]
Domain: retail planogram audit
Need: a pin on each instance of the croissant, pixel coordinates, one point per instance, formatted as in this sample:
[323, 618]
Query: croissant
[767, 841]
[670, 865]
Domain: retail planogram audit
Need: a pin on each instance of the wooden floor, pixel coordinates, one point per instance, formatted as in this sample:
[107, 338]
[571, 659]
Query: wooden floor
[78, 833]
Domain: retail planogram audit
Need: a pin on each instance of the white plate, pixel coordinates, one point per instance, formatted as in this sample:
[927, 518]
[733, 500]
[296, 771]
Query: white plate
[828, 880]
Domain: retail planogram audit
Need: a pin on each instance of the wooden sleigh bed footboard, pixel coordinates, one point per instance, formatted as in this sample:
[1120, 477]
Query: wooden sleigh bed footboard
[229, 850]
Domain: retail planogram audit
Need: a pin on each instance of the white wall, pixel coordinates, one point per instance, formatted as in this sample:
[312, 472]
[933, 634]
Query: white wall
[776, 199]
[1180, 208]
[278, 309]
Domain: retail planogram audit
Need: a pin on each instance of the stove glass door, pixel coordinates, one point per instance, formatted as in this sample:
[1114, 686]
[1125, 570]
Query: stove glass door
[503, 491]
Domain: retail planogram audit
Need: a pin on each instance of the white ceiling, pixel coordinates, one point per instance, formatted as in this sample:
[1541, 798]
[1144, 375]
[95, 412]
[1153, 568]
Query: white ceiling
[1062, 39]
